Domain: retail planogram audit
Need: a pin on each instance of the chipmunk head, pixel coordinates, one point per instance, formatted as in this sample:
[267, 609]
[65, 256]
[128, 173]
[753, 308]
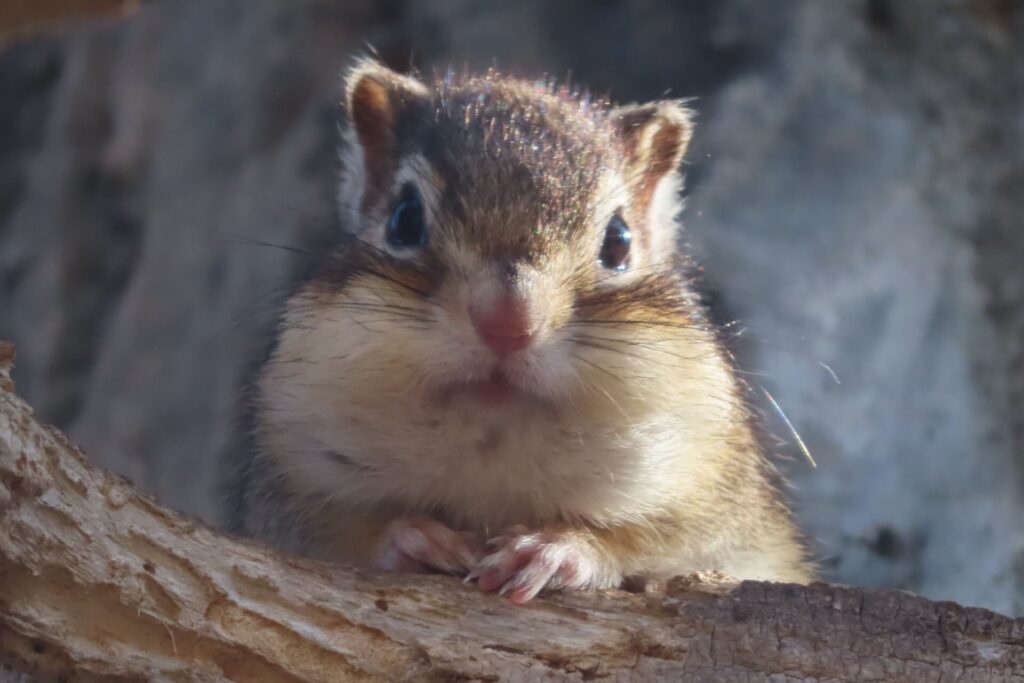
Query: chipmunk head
[503, 227]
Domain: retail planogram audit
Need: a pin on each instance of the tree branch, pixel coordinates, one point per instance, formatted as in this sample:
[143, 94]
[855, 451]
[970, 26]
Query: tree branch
[98, 582]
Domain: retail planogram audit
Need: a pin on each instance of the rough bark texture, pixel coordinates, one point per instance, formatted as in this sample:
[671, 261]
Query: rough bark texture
[98, 582]
[854, 193]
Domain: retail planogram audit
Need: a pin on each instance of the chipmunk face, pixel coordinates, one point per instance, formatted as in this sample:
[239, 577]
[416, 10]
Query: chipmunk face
[503, 231]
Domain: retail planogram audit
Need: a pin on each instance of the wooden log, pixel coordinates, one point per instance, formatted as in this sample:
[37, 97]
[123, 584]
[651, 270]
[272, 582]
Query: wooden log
[99, 582]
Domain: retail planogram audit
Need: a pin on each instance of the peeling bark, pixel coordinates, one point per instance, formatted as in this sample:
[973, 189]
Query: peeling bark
[98, 582]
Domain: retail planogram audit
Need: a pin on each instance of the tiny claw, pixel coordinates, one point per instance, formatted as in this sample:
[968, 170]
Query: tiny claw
[524, 566]
[496, 541]
[422, 544]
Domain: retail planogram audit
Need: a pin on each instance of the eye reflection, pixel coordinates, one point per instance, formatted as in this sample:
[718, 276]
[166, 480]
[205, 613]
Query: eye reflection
[615, 248]
[405, 227]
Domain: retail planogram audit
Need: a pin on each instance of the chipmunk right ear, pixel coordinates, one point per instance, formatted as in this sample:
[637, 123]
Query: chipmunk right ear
[655, 137]
[377, 100]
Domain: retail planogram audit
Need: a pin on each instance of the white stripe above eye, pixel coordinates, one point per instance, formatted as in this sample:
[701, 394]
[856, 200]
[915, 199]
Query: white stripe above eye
[413, 170]
[612, 195]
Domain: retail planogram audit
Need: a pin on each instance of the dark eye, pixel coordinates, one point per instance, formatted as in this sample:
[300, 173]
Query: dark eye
[615, 249]
[405, 227]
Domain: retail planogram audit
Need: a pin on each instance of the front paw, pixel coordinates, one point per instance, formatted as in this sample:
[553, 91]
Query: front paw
[420, 545]
[524, 564]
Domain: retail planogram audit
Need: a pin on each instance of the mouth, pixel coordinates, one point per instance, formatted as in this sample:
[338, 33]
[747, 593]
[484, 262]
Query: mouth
[496, 390]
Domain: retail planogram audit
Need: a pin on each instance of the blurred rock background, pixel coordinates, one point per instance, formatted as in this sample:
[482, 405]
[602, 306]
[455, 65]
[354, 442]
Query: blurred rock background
[856, 192]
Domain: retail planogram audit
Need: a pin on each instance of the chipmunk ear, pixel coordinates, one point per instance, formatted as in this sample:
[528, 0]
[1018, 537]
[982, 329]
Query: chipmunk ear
[655, 137]
[378, 101]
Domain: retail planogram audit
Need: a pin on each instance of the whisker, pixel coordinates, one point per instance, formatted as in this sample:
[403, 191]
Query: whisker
[597, 367]
[602, 389]
[796, 435]
[252, 241]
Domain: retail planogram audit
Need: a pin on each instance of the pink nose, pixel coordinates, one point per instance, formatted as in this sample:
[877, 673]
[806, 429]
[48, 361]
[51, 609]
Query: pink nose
[504, 326]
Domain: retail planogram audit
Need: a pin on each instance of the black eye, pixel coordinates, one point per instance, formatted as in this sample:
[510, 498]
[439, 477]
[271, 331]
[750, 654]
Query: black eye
[405, 227]
[615, 249]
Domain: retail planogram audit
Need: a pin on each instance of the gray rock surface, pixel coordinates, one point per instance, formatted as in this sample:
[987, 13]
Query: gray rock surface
[856, 194]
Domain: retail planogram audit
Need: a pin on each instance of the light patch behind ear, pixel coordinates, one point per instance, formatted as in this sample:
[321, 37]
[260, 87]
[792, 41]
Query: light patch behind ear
[377, 101]
[655, 137]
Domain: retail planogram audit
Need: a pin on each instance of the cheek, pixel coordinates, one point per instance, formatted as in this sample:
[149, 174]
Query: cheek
[636, 369]
[364, 340]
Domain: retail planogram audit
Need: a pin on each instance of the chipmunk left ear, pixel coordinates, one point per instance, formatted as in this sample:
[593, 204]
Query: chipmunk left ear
[378, 101]
[655, 137]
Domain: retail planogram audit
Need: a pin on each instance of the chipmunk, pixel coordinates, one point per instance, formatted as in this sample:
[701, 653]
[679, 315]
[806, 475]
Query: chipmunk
[503, 372]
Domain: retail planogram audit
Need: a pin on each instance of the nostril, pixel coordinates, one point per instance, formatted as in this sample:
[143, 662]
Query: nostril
[499, 325]
[505, 345]
[504, 327]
